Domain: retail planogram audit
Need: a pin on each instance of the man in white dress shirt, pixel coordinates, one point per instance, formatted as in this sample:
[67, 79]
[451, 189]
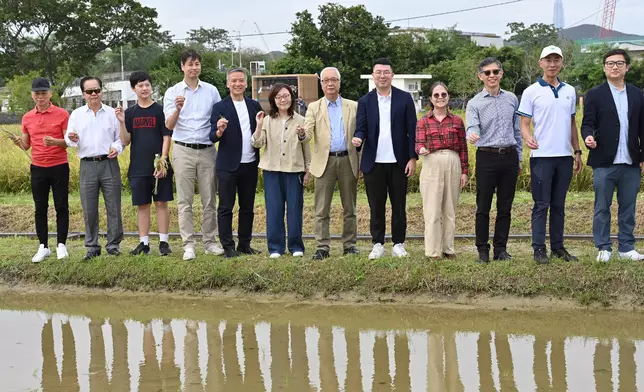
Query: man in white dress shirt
[94, 130]
[187, 106]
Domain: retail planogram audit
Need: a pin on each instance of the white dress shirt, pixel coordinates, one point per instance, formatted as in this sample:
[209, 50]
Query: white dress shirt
[248, 153]
[97, 133]
[385, 151]
[193, 125]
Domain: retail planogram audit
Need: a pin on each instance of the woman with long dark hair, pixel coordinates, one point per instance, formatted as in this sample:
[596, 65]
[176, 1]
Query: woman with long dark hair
[441, 142]
[285, 165]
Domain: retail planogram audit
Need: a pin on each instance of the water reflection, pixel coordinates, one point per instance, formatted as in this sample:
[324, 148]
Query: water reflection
[55, 352]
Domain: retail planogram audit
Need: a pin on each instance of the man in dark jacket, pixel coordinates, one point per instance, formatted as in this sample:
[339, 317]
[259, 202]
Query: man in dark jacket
[233, 122]
[386, 132]
[613, 130]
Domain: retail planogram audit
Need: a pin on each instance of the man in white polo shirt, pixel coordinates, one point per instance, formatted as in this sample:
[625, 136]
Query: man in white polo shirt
[550, 105]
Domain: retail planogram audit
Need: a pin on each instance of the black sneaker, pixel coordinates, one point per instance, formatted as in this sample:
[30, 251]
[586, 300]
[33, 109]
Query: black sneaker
[541, 256]
[247, 250]
[484, 256]
[351, 251]
[91, 254]
[164, 248]
[563, 254]
[230, 253]
[114, 252]
[141, 249]
[502, 256]
[320, 254]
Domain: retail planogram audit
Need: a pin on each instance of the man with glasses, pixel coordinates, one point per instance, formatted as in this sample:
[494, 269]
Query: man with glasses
[550, 105]
[613, 130]
[95, 131]
[494, 128]
[331, 121]
[386, 125]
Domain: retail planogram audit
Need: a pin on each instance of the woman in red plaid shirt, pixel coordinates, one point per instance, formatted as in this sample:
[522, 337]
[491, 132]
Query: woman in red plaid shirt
[441, 142]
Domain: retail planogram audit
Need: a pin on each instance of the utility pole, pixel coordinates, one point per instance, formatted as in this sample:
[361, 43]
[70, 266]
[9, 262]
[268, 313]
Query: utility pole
[122, 68]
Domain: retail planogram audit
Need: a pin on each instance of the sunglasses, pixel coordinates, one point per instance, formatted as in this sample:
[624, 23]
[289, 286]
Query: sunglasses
[491, 71]
[441, 95]
[93, 91]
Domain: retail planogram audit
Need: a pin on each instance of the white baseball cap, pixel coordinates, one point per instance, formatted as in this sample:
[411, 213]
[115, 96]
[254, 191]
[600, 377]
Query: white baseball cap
[548, 50]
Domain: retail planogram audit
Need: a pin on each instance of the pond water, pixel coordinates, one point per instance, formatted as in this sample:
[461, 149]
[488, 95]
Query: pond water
[155, 343]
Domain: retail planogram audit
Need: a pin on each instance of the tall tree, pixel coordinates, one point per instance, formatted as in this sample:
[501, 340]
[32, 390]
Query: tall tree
[45, 34]
[211, 39]
[349, 38]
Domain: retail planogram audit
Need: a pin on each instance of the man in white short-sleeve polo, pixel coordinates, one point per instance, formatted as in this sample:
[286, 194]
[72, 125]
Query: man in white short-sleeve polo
[549, 104]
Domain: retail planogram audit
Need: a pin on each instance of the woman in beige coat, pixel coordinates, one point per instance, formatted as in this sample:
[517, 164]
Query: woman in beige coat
[285, 164]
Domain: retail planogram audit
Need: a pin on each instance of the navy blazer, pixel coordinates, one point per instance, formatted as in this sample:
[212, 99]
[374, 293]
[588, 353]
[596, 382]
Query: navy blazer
[602, 122]
[403, 127]
[230, 143]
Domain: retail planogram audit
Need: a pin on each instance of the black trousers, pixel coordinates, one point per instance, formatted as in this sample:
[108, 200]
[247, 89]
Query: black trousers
[56, 178]
[243, 183]
[495, 172]
[383, 179]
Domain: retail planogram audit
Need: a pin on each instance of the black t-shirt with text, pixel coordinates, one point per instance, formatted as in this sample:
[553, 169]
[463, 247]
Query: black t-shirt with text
[147, 126]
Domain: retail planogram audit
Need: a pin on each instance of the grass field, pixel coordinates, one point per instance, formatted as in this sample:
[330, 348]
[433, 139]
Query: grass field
[586, 282]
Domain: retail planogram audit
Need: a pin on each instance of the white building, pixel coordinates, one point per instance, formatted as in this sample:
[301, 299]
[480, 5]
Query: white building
[115, 91]
[409, 83]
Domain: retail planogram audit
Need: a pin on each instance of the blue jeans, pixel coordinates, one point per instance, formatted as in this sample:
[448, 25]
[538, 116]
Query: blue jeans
[550, 178]
[281, 188]
[626, 179]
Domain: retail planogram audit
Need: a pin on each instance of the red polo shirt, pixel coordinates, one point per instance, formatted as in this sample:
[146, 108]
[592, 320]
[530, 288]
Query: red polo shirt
[52, 122]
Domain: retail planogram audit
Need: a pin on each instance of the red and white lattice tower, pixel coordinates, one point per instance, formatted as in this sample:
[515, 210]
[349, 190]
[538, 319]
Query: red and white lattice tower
[609, 17]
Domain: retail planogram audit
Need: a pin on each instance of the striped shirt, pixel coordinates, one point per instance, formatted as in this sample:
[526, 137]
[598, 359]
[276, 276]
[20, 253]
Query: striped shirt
[494, 119]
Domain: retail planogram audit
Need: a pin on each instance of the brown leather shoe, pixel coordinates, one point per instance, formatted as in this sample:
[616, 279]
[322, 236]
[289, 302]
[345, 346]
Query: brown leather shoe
[449, 256]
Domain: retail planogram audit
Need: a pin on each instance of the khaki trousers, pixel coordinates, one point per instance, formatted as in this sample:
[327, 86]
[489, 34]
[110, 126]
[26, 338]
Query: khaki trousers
[190, 165]
[440, 188]
[338, 169]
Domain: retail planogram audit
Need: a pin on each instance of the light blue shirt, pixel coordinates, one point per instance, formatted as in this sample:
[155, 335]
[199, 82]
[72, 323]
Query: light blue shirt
[338, 140]
[621, 103]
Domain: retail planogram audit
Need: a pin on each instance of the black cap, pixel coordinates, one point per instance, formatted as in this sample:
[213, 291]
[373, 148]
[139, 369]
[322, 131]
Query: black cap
[40, 84]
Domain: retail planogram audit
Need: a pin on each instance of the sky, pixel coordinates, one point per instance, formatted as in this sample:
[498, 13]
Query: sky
[254, 16]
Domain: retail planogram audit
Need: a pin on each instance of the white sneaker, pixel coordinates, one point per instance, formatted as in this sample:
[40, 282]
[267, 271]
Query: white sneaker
[632, 255]
[604, 256]
[189, 254]
[377, 252]
[41, 255]
[61, 252]
[399, 251]
[298, 254]
[275, 255]
[214, 249]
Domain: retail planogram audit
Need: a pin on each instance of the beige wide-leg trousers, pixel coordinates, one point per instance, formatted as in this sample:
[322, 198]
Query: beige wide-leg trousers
[440, 188]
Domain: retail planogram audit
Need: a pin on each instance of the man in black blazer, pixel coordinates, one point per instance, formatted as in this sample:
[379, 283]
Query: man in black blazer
[613, 130]
[386, 133]
[233, 122]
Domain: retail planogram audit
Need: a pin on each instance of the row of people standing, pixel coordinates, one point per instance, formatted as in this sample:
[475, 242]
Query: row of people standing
[498, 125]
[381, 127]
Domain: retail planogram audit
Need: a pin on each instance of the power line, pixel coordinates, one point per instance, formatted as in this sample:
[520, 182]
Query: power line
[456, 11]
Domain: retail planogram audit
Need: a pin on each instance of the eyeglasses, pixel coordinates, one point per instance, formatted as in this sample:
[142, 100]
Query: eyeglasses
[619, 64]
[491, 71]
[385, 73]
[285, 97]
[330, 80]
[93, 91]
[441, 95]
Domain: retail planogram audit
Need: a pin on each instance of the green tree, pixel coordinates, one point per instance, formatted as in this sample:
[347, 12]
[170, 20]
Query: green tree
[211, 39]
[349, 38]
[42, 35]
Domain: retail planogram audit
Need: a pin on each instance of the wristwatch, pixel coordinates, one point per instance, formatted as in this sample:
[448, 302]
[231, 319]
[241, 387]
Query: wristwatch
[577, 152]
